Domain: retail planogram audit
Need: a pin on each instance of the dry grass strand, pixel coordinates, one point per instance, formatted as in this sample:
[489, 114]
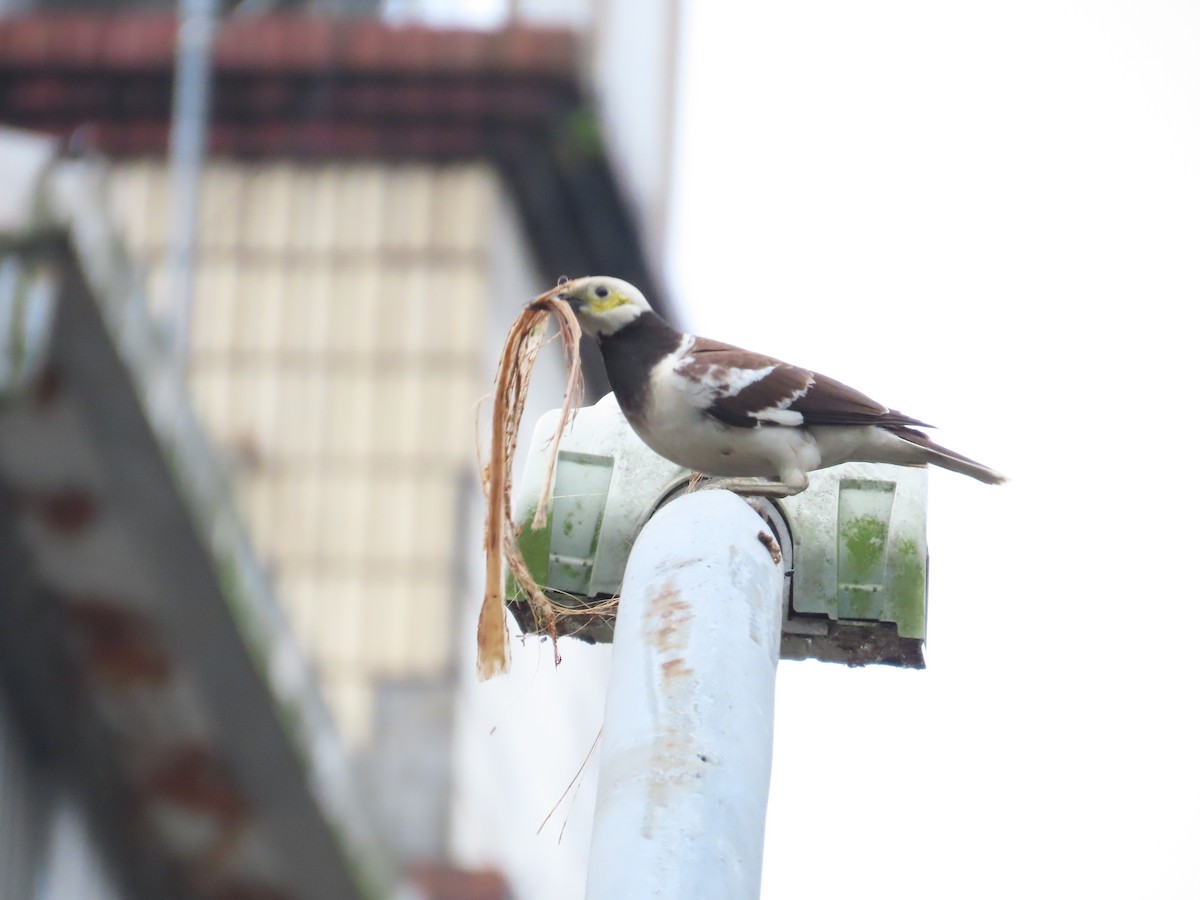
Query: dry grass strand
[525, 339]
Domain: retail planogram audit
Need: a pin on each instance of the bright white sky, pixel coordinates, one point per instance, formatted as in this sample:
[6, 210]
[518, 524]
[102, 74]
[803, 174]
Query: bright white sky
[988, 216]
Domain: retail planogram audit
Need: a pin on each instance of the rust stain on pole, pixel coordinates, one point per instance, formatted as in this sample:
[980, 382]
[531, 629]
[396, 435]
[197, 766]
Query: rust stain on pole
[666, 623]
[768, 540]
[676, 668]
[666, 618]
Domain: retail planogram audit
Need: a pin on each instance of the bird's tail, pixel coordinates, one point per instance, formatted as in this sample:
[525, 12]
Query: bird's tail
[947, 459]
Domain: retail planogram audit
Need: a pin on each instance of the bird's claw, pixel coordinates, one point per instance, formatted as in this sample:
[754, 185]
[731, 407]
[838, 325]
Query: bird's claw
[751, 487]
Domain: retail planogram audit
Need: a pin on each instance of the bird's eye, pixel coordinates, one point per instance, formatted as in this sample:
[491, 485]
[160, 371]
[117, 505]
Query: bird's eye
[602, 292]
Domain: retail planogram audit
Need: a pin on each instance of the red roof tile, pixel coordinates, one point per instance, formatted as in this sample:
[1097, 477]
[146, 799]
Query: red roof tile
[285, 44]
[288, 85]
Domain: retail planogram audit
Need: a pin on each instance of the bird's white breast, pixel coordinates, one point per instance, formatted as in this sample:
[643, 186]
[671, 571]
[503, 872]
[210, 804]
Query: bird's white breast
[676, 426]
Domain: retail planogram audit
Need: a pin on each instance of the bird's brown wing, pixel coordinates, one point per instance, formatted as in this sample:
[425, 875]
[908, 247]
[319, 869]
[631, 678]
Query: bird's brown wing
[746, 389]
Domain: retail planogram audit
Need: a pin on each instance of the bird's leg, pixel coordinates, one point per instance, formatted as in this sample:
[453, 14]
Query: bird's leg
[753, 487]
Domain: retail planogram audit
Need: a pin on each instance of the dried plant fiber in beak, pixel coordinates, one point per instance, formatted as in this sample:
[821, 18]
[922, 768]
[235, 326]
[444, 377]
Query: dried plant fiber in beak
[525, 340]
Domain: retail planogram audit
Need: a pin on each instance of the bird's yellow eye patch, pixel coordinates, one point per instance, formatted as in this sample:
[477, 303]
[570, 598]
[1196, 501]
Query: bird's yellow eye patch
[603, 305]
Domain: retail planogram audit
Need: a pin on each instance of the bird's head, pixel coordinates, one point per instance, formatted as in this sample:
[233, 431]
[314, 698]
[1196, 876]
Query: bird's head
[602, 304]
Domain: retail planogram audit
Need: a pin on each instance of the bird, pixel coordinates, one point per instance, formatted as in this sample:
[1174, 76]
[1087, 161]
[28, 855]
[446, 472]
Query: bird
[754, 424]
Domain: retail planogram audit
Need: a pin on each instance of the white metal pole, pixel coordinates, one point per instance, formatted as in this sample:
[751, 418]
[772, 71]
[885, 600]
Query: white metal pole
[685, 762]
[189, 134]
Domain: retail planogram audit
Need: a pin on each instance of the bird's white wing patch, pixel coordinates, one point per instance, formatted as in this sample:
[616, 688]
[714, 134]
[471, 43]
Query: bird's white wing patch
[778, 416]
[729, 381]
[715, 381]
[709, 382]
[779, 413]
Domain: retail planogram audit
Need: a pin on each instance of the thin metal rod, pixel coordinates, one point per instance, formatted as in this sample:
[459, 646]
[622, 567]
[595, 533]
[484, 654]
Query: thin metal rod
[189, 134]
[686, 758]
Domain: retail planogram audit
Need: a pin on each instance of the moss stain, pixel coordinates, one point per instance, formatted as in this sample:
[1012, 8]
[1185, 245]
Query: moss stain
[864, 541]
[908, 589]
[534, 544]
[864, 538]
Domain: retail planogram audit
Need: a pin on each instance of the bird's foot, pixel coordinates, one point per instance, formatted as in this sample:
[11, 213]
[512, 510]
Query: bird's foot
[752, 487]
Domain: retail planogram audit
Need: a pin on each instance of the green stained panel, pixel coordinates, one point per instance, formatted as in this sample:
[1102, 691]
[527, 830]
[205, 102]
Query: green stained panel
[863, 518]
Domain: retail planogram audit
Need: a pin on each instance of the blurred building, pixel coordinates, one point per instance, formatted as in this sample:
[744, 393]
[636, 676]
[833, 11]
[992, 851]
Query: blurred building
[380, 198]
[160, 733]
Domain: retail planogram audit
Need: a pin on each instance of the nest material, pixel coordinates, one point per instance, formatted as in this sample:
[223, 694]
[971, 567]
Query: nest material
[525, 340]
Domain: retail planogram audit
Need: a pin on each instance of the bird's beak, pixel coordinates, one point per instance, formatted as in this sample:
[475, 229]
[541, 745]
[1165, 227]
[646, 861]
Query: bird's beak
[572, 301]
